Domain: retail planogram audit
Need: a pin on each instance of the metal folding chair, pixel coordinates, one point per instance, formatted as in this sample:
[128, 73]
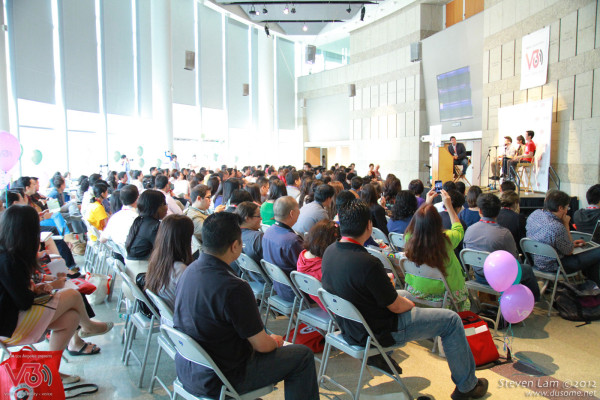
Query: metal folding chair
[388, 265]
[379, 235]
[260, 289]
[189, 349]
[476, 258]
[164, 342]
[531, 247]
[397, 241]
[139, 322]
[275, 301]
[336, 306]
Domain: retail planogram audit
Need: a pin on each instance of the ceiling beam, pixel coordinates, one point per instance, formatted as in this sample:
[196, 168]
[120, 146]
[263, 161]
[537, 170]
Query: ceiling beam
[296, 4]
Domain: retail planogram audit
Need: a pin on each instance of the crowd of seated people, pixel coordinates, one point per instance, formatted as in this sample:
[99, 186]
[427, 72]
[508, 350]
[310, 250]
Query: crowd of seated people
[160, 219]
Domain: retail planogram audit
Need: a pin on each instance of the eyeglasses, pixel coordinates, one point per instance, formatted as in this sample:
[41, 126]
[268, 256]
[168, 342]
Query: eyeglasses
[256, 216]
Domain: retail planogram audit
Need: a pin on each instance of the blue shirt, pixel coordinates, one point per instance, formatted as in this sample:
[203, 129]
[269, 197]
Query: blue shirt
[398, 226]
[282, 246]
[469, 217]
[310, 214]
[545, 227]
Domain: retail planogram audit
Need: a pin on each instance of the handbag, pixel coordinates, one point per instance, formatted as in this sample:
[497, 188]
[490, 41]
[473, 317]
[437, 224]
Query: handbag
[310, 337]
[29, 374]
[83, 286]
[480, 339]
[102, 284]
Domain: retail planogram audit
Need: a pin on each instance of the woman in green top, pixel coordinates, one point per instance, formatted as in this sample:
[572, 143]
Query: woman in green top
[428, 243]
[276, 190]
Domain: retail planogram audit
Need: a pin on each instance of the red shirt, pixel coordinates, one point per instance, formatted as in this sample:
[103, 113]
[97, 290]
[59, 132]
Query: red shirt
[530, 149]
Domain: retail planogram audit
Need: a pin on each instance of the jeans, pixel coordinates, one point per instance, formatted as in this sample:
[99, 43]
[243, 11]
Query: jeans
[427, 323]
[527, 279]
[294, 364]
[587, 262]
[465, 164]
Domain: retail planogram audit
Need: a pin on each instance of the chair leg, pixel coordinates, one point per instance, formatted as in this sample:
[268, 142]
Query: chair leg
[362, 370]
[145, 358]
[552, 297]
[155, 370]
[289, 328]
[129, 343]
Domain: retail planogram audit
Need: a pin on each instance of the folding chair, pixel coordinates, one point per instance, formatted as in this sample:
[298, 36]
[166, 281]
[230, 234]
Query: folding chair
[459, 175]
[275, 301]
[476, 258]
[260, 289]
[313, 316]
[425, 271]
[189, 349]
[379, 235]
[532, 247]
[139, 322]
[164, 342]
[342, 308]
[388, 265]
[397, 241]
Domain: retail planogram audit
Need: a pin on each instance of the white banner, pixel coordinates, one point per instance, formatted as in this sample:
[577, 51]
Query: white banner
[534, 58]
[534, 116]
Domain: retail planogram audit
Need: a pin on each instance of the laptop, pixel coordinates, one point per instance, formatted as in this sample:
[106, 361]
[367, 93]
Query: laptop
[593, 243]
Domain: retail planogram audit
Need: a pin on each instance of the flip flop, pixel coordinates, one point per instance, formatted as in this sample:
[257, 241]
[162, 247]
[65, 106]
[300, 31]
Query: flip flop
[78, 390]
[82, 352]
[69, 379]
[83, 335]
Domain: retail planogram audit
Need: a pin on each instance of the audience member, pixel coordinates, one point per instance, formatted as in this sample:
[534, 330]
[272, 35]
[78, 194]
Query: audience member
[350, 272]
[170, 257]
[404, 208]
[162, 184]
[488, 235]
[119, 224]
[508, 186]
[369, 196]
[471, 215]
[238, 196]
[551, 226]
[218, 310]
[320, 236]
[137, 180]
[198, 212]
[122, 177]
[254, 190]
[252, 236]
[96, 214]
[417, 187]
[510, 218]
[423, 237]
[276, 190]
[181, 186]
[292, 180]
[585, 219]
[281, 245]
[316, 211]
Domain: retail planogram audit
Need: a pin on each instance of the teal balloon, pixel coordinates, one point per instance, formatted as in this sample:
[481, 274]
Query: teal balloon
[140, 151]
[36, 157]
[519, 273]
[117, 156]
[21, 155]
[141, 163]
[158, 162]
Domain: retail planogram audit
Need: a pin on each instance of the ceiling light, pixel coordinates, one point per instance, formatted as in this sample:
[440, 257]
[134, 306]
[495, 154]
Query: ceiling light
[293, 9]
[305, 28]
[363, 10]
[265, 11]
[286, 10]
[253, 11]
[267, 30]
[349, 9]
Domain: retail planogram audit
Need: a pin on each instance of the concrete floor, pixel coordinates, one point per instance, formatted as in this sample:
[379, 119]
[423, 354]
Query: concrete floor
[549, 353]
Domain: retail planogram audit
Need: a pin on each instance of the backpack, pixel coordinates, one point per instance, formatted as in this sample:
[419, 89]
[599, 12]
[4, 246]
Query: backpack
[480, 339]
[579, 302]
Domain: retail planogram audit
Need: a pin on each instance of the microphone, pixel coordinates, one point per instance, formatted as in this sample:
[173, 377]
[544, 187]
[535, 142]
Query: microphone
[427, 165]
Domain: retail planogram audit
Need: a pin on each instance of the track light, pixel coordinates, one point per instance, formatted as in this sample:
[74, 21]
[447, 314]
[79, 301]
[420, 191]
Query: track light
[268, 33]
[265, 11]
[349, 9]
[363, 10]
[286, 10]
[293, 9]
[253, 11]
[305, 28]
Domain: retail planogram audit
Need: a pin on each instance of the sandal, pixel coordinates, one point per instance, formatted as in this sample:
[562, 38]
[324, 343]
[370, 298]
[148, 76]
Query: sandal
[69, 379]
[83, 335]
[82, 352]
[78, 390]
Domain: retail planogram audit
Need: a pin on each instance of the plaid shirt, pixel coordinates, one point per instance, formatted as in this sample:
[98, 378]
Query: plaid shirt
[545, 227]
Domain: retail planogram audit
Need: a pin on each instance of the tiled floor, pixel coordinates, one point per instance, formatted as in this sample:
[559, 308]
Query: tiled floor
[548, 352]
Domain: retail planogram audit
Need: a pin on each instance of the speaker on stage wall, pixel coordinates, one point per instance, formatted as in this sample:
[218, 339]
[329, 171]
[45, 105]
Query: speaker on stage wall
[351, 90]
[245, 89]
[415, 51]
[311, 53]
[190, 60]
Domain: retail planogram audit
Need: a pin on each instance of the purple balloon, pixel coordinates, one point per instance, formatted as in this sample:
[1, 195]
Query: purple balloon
[500, 269]
[516, 303]
[10, 151]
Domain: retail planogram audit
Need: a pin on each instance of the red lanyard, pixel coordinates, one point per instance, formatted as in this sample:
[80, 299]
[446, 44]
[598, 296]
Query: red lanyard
[351, 240]
[506, 208]
[487, 222]
[592, 208]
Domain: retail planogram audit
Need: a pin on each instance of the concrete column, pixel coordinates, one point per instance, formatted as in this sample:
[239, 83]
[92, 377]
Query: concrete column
[266, 99]
[4, 100]
[162, 75]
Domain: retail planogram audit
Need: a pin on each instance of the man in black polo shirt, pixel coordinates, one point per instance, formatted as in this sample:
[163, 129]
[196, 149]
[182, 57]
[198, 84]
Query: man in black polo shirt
[219, 311]
[350, 272]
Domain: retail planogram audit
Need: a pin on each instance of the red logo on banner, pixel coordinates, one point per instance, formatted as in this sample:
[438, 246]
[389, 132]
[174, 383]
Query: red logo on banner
[536, 59]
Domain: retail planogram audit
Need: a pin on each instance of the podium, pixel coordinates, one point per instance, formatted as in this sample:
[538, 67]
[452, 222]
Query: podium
[442, 168]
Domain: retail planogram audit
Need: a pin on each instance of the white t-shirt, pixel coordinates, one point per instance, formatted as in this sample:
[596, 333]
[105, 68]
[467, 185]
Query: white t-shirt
[119, 224]
[181, 188]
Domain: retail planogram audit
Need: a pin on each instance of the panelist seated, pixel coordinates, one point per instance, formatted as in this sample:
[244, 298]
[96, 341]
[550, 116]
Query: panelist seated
[459, 153]
[510, 152]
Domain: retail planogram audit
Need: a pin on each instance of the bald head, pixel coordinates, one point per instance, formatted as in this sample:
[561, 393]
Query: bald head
[286, 210]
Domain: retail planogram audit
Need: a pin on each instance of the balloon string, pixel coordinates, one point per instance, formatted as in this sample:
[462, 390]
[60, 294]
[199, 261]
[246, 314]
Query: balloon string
[508, 338]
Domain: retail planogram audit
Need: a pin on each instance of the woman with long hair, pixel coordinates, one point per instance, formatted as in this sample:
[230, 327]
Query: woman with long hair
[428, 243]
[276, 190]
[96, 213]
[368, 194]
[391, 187]
[404, 208]
[304, 189]
[152, 208]
[170, 257]
[254, 190]
[28, 309]
[319, 237]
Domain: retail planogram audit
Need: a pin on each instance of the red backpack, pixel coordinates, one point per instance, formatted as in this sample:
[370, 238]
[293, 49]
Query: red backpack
[480, 339]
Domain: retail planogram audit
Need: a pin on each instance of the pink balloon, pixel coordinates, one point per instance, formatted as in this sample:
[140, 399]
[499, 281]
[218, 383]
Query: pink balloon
[500, 270]
[516, 303]
[10, 151]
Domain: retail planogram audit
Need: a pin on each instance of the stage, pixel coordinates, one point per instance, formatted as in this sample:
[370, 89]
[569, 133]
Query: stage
[531, 201]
